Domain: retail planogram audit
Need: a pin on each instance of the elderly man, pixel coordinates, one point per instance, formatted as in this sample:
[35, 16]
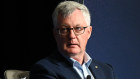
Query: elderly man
[71, 31]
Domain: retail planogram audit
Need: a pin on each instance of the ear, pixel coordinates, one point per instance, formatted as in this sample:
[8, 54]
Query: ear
[89, 31]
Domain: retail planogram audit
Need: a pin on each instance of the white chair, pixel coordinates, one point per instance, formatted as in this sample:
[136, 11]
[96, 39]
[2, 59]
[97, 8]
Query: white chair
[16, 74]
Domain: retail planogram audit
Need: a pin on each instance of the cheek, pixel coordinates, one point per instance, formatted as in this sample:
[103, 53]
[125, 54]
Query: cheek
[60, 41]
[83, 41]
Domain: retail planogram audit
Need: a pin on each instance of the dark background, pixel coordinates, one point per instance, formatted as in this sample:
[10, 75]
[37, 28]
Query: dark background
[27, 36]
[116, 35]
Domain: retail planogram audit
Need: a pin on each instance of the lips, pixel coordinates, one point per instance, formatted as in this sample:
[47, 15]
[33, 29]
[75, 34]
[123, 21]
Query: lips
[72, 45]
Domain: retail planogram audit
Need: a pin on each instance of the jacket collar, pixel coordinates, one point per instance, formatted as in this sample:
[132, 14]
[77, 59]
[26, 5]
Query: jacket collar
[66, 64]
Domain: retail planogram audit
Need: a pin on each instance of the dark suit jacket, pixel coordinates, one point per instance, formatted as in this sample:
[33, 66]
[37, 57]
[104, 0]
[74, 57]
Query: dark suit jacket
[58, 67]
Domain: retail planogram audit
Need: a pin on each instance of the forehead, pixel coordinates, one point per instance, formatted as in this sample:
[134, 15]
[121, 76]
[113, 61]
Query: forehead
[76, 18]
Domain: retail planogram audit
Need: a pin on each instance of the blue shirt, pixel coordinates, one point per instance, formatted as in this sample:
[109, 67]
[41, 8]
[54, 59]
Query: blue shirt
[83, 70]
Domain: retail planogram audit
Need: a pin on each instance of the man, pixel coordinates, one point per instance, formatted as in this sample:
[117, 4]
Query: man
[71, 31]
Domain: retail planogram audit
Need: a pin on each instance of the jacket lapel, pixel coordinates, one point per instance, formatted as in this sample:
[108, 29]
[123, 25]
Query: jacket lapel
[65, 66]
[96, 71]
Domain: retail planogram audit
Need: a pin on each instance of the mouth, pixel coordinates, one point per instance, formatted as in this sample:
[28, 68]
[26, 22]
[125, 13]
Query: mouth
[72, 45]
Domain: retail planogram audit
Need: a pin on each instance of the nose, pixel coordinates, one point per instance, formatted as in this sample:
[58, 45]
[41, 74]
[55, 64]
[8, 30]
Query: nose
[71, 34]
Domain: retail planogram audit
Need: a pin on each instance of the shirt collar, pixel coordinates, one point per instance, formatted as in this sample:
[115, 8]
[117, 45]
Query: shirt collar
[87, 60]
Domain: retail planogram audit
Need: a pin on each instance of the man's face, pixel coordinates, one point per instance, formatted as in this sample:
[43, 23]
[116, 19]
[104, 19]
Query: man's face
[72, 44]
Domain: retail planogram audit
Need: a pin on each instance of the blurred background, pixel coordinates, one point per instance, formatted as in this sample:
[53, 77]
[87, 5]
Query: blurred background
[27, 34]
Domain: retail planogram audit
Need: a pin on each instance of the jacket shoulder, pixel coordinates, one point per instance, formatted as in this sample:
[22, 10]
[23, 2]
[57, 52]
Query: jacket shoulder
[102, 65]
[104, 68]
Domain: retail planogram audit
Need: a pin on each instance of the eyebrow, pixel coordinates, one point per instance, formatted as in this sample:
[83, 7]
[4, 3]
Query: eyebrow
[65, 25]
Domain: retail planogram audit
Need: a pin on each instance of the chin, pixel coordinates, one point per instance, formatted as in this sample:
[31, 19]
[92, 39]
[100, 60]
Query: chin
[73, 51]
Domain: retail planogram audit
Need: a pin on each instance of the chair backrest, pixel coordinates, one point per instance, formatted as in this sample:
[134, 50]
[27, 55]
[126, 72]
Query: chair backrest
[16, 74]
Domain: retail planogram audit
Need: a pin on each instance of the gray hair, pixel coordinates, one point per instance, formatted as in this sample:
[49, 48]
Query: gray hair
[67, 7]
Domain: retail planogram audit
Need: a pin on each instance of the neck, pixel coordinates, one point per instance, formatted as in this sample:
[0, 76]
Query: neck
[79, 58]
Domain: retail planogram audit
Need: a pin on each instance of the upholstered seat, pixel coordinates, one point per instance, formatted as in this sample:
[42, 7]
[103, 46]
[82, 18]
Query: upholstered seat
[16, 74]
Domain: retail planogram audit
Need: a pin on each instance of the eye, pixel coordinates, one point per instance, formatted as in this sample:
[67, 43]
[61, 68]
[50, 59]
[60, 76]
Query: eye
[78, 28]
[63, 30]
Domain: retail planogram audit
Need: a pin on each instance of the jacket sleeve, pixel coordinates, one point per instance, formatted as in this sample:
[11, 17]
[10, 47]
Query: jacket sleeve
[40, 72]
